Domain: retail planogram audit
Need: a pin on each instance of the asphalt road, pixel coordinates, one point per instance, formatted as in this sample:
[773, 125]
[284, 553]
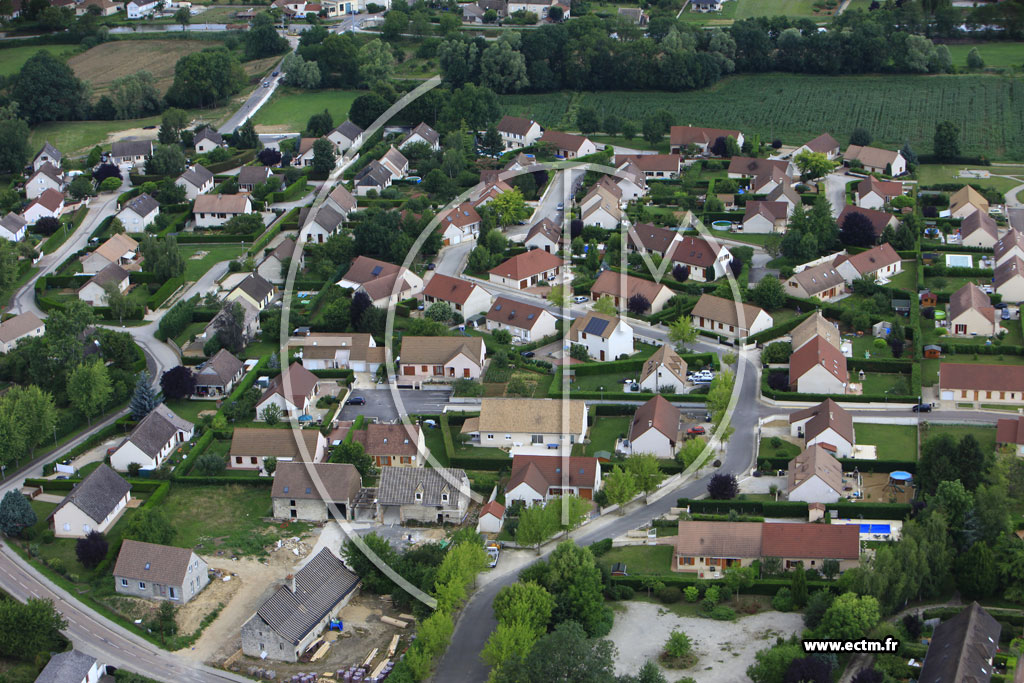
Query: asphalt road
[380, 405]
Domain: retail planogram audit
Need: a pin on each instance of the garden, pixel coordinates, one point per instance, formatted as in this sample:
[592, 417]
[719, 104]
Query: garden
[892, 442]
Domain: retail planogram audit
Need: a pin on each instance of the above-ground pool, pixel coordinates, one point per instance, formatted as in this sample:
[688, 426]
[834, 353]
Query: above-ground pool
[874, 528]
[900, 475]
[959, 261]
[940, 314]
[721, 225]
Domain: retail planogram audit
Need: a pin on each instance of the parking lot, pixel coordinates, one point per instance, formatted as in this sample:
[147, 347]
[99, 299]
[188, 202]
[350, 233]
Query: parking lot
[380, 405]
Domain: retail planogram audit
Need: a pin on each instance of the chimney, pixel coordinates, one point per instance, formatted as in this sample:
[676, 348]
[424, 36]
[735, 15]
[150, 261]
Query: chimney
[289, 581]
[650, 423]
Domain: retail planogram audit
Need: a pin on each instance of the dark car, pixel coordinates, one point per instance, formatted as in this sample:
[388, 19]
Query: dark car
[431, 266]
[999, 305]
[922, 408]
[356, 401]
[527, 354]
[148, 127]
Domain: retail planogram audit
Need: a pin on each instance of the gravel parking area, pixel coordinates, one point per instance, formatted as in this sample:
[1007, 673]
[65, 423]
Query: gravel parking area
[725, 648]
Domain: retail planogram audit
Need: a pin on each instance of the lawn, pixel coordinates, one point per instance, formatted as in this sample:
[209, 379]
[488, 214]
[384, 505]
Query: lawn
[993, 54]
[867, 344]
[12, 58]
[906, 279]
[785, 449]
[191, 330]
[63, 549]
[934, 174]
[773, 8]
[894, 442]
[611, 383]
[948, 285]
[195, 268]
[108, 61]
[879, 384]
[641, 559]
[435, 444]
[190, 409]
[289, 110]
[986, 436]
[605, 431]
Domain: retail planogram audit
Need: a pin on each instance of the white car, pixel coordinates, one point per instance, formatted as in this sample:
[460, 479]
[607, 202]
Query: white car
[580, 299]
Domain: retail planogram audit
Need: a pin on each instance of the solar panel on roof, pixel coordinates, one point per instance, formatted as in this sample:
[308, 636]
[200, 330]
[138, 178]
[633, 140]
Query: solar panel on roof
[497, 307]
[376, 270]
[596, 326]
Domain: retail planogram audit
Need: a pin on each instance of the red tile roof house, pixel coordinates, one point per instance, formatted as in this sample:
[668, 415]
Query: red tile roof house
[380, 279]
[1010, 432]
[965, 382]
[765, 217]
[707, 260]
[292, 391]
[656, 429]
[460, 224]
[881, 262]
[720, 316]
[567, 145]
[748, 167]
[251, 445]
[681, 137]
[823, 144]
[393, 445]
[649, 238]
[875, 160]
[546, 235]
[518, 132]
[492, 516]
[971, 313]
[827, 424]
[536, 479]
[527, 269]
[818, 368]
[526, 323]
[653, 165]
[822, 281]
[49, 204]
[465, 297]
[439, 359]
[879, 219]
[979, 230]
[709, 548]
[875, 194]
[621, 288]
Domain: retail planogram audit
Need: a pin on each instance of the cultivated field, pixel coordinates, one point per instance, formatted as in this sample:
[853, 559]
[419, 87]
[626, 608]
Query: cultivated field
[795, 108]
[104, 63]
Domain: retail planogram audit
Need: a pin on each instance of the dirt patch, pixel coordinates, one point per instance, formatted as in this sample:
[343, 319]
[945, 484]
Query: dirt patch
[218, 591]
[132, 608]
[106, 62]
[277, 128]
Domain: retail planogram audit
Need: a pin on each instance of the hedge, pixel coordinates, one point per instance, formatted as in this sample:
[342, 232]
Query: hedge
[139, 485]
[759, 587]
[886, 365]
[943, 271]
[777, 330]
[290, 193]
[336, 373]
[768, 392]
[862, 510]
[980, 349]
[586, 369]
[467, 462]
[157, 299]
[240, 159]
[780, 463]
[220, 238]
[449, 445]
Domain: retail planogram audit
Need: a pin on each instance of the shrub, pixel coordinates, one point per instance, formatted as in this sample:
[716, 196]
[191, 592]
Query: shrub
[691, 593]
[670, 595]
[723, 613]
[783, 600]
[711, 598]
[624, 593]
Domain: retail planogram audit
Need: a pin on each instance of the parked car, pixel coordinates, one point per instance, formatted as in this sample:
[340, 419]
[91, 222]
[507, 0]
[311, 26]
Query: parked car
[561, 206]
[696, 430]
[922, 408]
[1005, 314]
[492, 548]
[1001, 304]
[356, 401]
[580, 299]
[527, 354]
[431, 266]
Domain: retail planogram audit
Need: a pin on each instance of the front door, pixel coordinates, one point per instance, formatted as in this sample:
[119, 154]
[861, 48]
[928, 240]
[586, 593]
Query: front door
[602, 354]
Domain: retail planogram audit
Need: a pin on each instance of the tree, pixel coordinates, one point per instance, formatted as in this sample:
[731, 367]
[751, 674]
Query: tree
[367, 108]
[271, 414]
[46, 89]
[16, 513]
[605, 305]
[30, 629]
[210, 464]
[202, 79]
[229, 325]
[178, 382]
[374, 580]
[643, 467]
[353, 453]
[850, 617]
[183, 17]
[947, 141]
[163, 622]
[738, 578]
[439, 311]
[269, 157]
[503, 337]
[506, 644]
[798, 586]
[135, 95]
[80, 188]
[167, 160]
[14, 150]
[119, 303]
[691, 450]
[772, 663]
[47, 225]
[536, 525]
[810, 669]
[857, 230]
[89, 389]
[32, 415]
[565, 654]
[492, 142]
[682, 332]
[527, 603]
[503, 68]
[638, 304]
[91, 550]
[144, 397]
[977, 576]
[324, 156]
[813, 165]
[262, 39]
[769, 293]
[557, 296]
[150, 525]
[974, 60]
[723, 486]
[509, 207]
[861, 137]
[320, 124]
[376, 62]
[678, 645]
[587, 120]
[652, 129]
[620, 487]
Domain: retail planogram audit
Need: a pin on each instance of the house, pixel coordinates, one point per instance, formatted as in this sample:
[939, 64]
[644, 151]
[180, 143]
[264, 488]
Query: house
[680, 138]
[196, 180]
[50, 204]
[631, 182]
[250, 321]
[1008, 279]
[153, 439]
[706, 260]
[298, 611]
[271, 268]
[1011, 245]
[546, 235]
[422, 133]
[465, 297]
[330, 351]
[706, 5]
[605, 337]
[873, 193]
[1003, 384]
[826, 424]
[971, 313]
[139, 213]
[528, 425]
[439, 359]
[460, 224]
[342, 201]
[662, 166]
[214, 210]
[207, 140]
[814, 476]
[254, 290]
[311, 492]
[73, 666]
[19, 327]
[517, 132]
[621, 288]
[218, 376]
[655, 429]
[748, 167]
[46, 177]
[538, 7]
[1010, 433]
[373, 177]
[94, 504]
[526, 322]
[723, 317]
[324, 223]
[396, 163]
[567, 145]
[292, 391]
[423, 494]
[385, 283]
[131, 151]
[880, 263]
[765, 217]
[159, 572]
[823, 144]
[138, 9]
[393, 445]
[94, 291]
[249, 177]
[962, 648]
[13, 227]
[527, 269]
[304, 152]
[768, 180]
[491, 519]
[536, 479]
[786, 193]
[634, 14]
[250, 446]
[818, 367]
[601, 207]
[647, 238]
[979, 230]
[664, 370]
[966, 201]
[48, 154]
[106, 7]
[875, 160]
[346, 136]
[822, 281]
[816, 325]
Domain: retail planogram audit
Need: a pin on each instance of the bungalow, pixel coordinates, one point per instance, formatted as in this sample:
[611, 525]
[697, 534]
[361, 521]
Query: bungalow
[159, 572]
[827, 425]
[50, 204]
[13, 227]
[249, 177]
[424, 134]
[631, 182]
[786, 193]
[546, 235]
[601, 207]
[250, 446]
[139, 213]
[875, 160]
[653, 165]
[656, 429]
[979, 230]
[818, 367]
[254, 290]
[962, 648]
[385, 283]
[536, 479]
[94, 291]
[393, 445]
[271, 268]
[292, 391]
[1008, 279]
[72, 666]
[529, 425]
[422, 494]
[139, 9]
[526, 322]
[491, 519]
[966, 201]
[971, 313]
[527, 269]
[304, 152]
[706, 260]
[218, 376]
[768, 180]
[106, 7]
[567, 145]
[603, 336]
[518, 132]
[764, 217]
[876, 194]
[355, 351]
[822, 281]
[131, 151]
[152, 440]
[214, 210]
[465, 297]
[747, 167]
[622, 287]
[706, 5]
[814, 476]
[250, 321]
[207, 140]
[460, 224]
[1010, 246]
[298, 611]
[346, 136]
[18, 327]
[539, 7]
[816, 325]
[311, 492]
[823, 144]
[196, 180]
[120, 249]
[1010, 433]
[372, 177]
[324, 223]
[342, 201]
[396, 163]
[1002, 384]
[48, 154]
[439, 359]
[646, 237]
[723, 317]
[46, 177]
[881, 263]
[664, 370]
[682, 137]
[94, 504]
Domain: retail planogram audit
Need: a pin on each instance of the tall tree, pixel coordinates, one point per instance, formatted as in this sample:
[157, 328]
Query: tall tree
[143, 398]
[619, 487]
[202, 79]
[324, 156]
[645, 472]
[565, 654]
[89, 388]
[46, 89]
[376, 62]
[178, 382]
[262, 39]
[536, 525]
[91, 549]
[30, 629]
[14, 150]
[16, 513]
[946, 141]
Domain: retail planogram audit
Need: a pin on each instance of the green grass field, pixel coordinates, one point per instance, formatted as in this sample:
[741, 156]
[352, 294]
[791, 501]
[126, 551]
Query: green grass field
[999, 55]
[932, 174]
[196, 268]
[785, 449]
[290, 109]
[894, 442]
[986, 436]
[639, 560]
[12, 58]
[605, 431]
[771, 8]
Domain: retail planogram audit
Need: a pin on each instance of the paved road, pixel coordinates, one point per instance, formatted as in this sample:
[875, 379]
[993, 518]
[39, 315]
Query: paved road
[257, 98]
[380, 405]
[835, 190]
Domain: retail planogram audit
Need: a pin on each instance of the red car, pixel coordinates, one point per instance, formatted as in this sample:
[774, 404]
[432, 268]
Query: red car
[695, 431]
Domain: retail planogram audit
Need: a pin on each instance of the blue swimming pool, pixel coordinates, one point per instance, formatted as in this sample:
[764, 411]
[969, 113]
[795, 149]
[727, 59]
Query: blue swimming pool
[874, 528]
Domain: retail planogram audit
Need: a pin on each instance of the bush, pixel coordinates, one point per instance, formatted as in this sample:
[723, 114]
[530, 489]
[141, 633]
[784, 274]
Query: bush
[623, 593]
[711, 598]
[691, 593]
[599, 548]
[670, 595]
[723, 613]
[783, 600]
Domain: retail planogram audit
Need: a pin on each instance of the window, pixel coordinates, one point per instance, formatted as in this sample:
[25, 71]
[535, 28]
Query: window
[419, 496]
[537, 438]
[292, 503]
[124, 583]
[409, 370]
[238, 460]
[508, 437]
[142, 585]
[444, 497]
[171, 594]
[67, 527]
[489, 436]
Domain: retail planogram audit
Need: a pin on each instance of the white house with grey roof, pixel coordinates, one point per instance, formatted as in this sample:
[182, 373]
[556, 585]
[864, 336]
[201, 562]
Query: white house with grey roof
[207, 140]
[94, 291]
[196, 180]
[217, 376]
[298, 611]
[139, 213]
[374, 176]
[159, 572]
[73, 666]
[423, 494]
[130, 151]
[422, 133]
[254, 290]
[346, 136]
[47, 155]
[152, 440]
[19, 327]
[604, 337]
[94, 504]
[46, 177]
[251, 176]
[13, 227]
[342, 201]
[324, 223]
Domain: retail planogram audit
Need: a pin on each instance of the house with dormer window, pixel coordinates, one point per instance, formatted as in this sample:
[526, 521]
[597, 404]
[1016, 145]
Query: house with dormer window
[159, 572]
[422, 494]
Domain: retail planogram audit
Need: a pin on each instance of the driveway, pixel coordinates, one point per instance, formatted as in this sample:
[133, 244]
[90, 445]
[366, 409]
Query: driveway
[380, 405]
[835, 190]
